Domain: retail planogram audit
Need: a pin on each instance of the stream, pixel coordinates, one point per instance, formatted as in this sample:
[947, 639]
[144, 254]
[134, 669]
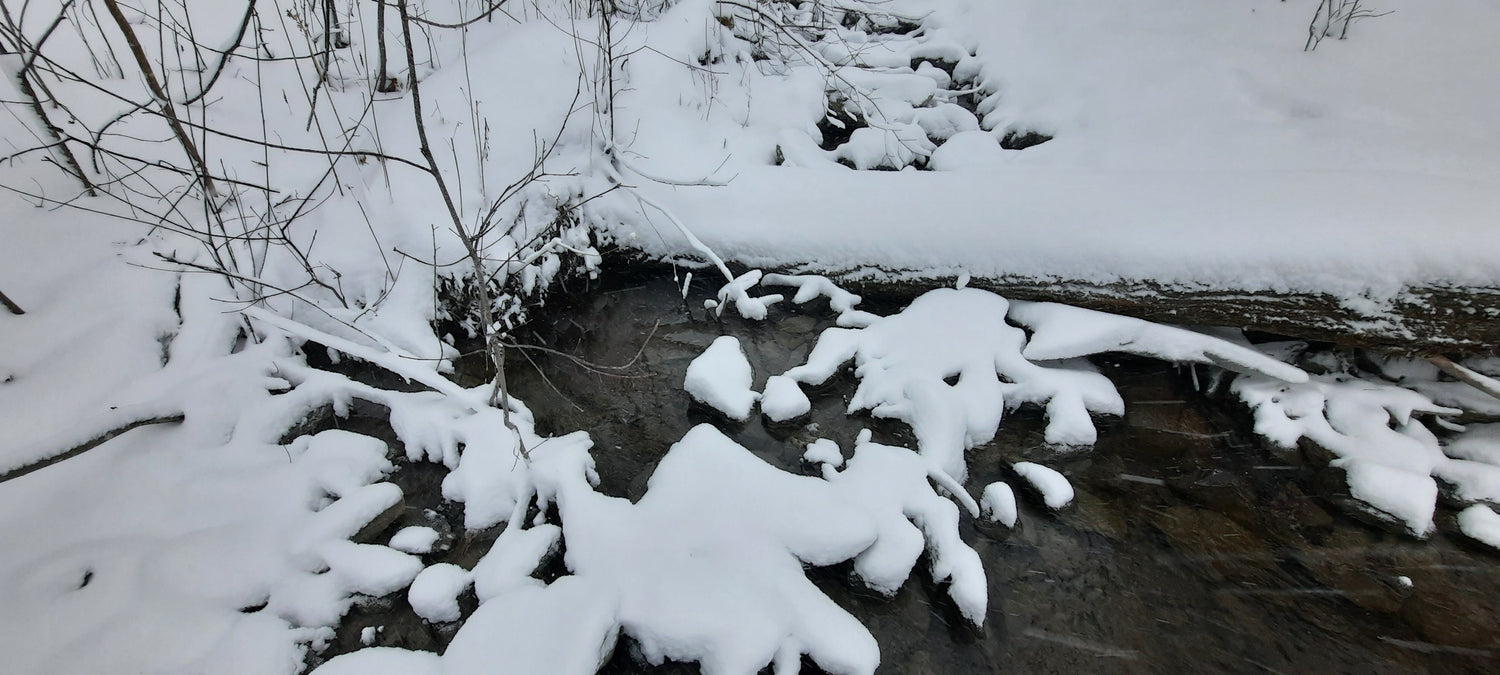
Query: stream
[1189, 544]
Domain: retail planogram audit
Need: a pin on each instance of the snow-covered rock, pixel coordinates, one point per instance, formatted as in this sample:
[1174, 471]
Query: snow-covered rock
[999, 503]
[783, 399]
[721, 377]
[434, 593]
[1055, 489]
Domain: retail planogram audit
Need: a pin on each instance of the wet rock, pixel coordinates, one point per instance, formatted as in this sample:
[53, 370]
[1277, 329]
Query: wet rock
[1221, 490]
[372, 531]
[1091, 514]
[1212, 541]
[1344, 566]
[1456, 615]
[1296, 518]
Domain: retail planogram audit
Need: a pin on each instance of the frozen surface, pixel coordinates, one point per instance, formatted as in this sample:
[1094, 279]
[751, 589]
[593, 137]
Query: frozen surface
[720, 378]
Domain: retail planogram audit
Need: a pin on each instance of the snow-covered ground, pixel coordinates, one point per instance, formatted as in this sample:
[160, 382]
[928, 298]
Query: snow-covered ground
[1194, 146]
[1197, 146]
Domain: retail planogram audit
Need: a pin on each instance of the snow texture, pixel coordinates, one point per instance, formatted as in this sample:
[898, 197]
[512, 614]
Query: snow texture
[999, 503]
[1481, 524]
[903, 361]
[1064, 332]
[783, 399]
[434, 593]
[1054, 487]
[720, 378]
[824, 451]
[417, 539]
[1390, 458]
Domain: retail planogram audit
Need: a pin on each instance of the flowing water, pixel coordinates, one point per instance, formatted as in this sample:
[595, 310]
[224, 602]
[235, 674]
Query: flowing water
[1188, 547]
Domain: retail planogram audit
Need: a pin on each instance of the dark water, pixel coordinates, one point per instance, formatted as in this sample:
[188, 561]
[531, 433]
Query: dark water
[1188, 546]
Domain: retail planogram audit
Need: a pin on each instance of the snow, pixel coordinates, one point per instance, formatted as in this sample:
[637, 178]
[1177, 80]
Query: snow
[1054, 487]
[1250, 166]
[1390, 458]
[416, 539]
[1482, 524]
[824, 451]
[902, 362]
[1478, 442]
[999, 503]
[783, 399]
[434, 593]
[1065, 332]
[720, 378]
[566, 628]
[207, 545]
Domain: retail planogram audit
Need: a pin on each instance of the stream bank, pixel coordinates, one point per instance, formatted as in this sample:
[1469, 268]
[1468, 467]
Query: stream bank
[1189, 543]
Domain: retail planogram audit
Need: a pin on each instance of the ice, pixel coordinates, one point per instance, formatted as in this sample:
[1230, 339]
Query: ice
[1482, 524]
[416, 539]
[720, 378]
[783, 399]
[1054, 487]
[434, 593]
[999, 503]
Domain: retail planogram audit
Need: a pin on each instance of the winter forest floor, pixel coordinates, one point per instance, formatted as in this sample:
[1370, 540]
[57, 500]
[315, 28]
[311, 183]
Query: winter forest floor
[740, 336]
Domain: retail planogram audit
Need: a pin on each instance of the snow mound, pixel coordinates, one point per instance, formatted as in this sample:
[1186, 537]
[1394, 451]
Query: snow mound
[823, 451]
[1054, 487]
[709, 565]
[904, 363]
[434, 593]
[783, 399]
[1065, 332]
[1482, 524]
[416, 539]
[999, 503]
[1389, 456]
[721, 377]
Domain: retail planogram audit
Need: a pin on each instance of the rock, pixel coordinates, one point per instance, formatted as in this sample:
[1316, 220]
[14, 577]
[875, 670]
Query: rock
[371, 532]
